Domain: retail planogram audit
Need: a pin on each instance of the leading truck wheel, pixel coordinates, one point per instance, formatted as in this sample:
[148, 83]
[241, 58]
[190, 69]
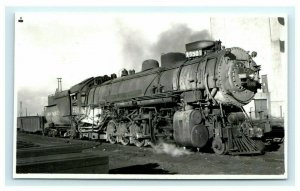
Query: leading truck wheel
[111, 131]
[219, 147]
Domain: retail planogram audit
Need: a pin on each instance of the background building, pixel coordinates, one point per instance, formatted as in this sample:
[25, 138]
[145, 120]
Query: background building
[267, 37]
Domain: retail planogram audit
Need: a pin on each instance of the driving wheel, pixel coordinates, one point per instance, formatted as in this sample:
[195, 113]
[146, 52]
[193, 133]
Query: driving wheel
[111, 131]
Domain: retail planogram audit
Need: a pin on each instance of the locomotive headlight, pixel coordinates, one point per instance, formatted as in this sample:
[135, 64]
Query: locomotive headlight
[242, 76]
[252, 76]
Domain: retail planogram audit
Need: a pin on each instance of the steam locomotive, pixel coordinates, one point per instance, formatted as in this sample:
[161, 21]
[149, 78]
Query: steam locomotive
[193, 99]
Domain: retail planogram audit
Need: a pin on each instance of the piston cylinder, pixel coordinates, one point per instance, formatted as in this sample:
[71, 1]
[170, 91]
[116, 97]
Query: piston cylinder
[187, 129]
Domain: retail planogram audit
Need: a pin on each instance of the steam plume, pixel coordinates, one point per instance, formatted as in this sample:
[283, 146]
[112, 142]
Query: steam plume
[169, 149]
[136, 48]
[175, 38]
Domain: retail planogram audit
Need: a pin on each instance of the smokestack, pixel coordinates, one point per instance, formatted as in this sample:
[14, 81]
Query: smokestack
[21, 109]
[59, 84]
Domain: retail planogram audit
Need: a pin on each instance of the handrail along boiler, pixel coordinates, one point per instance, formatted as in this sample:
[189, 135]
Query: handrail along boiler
[194, 99]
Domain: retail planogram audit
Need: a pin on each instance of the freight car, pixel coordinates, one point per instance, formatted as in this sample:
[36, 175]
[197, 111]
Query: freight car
[31, 124]
[194, 99]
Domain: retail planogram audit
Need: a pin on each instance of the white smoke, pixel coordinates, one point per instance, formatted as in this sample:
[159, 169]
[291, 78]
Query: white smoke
[170, 149]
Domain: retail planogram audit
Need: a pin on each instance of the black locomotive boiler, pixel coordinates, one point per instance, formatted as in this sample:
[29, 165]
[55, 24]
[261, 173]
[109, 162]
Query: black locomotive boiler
[194, 99]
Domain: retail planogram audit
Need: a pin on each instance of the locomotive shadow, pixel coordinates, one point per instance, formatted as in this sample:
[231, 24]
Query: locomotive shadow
[150, 168]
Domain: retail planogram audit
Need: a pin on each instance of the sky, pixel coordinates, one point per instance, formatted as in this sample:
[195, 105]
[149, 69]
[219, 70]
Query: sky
[77, 46]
